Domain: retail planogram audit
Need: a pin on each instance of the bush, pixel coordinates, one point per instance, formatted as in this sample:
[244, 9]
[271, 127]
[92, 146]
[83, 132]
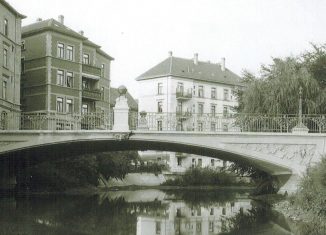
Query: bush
[311, 197]
[203, 177]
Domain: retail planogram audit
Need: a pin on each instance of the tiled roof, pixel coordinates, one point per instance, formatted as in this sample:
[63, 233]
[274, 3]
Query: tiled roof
[114, 94]
[13, 10]
[53, 25]
[202, 71]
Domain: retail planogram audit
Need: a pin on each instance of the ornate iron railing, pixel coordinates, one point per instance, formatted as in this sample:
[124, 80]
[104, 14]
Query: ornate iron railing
[199, 122]
[221, 122]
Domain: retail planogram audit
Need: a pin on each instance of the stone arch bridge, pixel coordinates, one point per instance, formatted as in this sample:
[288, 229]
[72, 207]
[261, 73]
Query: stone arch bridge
[285, 155]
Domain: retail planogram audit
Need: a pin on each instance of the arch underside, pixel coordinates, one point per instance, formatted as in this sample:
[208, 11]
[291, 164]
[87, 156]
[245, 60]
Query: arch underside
[89, 146]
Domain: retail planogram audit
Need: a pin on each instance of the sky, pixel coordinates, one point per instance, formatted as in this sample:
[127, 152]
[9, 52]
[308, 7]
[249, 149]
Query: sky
[140, 33]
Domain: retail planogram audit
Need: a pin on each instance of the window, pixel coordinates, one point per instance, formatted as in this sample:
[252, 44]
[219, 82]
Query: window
[160, 88]
[85, 58]
[225, 110]
[211, 226]
[212, 162]
[102, 93]
[200, 126]
[213, 93]
[159, 125]
[70, 52]
[200, 91]
[85, 84]
[179, 161]
[193, 162]
[59, 104]
[69, 107]
[213, 126]
[60, 50]
[200, 109]
[23, 45]
[223, 211]
[84, 108]
[70, 79]
[212, 211]
[159, 107]
[226, 94]
[103, 70]
[22, 65]
[180, 88]
[4, 90]
[5, 27]
[5, 58]
[200, 162]
[213, 110]
[60, 78]
[158, 227]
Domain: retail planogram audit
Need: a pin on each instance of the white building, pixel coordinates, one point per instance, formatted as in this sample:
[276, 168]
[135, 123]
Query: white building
[189, 95]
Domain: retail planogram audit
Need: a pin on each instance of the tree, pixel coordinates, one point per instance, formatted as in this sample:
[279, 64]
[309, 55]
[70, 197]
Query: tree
[276, 90]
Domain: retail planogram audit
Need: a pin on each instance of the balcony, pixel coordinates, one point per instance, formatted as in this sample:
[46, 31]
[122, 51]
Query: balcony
[183, 114]
[183, 95]
[91, 94]
[91, 70]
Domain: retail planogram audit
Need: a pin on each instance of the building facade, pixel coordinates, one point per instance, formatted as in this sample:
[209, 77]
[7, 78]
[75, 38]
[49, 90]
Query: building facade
[10, 36]
[189, 95]
[64, 75]
[199, 93]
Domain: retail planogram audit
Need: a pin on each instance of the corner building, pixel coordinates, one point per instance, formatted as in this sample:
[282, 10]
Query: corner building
[64, 75]
[10, 54]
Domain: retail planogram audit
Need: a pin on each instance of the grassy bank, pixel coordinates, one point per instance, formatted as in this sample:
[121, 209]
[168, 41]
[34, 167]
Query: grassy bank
[308, 205]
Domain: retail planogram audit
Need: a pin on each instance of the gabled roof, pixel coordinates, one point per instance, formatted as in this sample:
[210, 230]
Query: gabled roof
[185, 68]
[114, 94]
[53, 25]
[13, 10]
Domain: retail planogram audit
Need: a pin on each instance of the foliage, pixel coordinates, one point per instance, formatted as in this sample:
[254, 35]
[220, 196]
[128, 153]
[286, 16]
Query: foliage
[203, 177]
[265, 183]
[65, 173]
[276, 89]
[311, 197]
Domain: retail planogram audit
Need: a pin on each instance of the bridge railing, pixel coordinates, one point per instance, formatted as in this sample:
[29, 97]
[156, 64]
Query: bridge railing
[57, 121]
[222, 122]
[180, 121]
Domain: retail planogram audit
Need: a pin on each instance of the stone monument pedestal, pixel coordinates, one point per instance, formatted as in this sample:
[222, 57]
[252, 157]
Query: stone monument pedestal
[121, 111]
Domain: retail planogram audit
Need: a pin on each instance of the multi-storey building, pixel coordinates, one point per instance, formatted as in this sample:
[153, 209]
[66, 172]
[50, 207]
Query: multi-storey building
[63, 73]
[189, 88]
[10, 36]
[188, 94]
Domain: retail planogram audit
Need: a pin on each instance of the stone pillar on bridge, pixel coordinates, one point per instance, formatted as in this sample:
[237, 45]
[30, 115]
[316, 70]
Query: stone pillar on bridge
[121, 111]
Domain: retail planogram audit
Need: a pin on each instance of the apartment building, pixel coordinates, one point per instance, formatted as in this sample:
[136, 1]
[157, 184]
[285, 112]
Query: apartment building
[63, 73]
[10, 36]
[190, 88]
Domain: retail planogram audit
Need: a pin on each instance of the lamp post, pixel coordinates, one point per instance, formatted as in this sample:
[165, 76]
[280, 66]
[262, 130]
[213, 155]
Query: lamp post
[300, 128]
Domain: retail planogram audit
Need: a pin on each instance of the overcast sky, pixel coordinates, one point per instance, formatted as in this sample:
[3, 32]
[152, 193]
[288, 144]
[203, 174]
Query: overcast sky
[139, 33]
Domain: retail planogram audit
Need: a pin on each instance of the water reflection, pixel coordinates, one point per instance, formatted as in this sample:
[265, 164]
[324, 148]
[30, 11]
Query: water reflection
[143, 212]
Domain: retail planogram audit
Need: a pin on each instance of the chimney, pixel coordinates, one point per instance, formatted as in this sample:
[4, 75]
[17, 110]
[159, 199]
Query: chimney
[196, 58]
[61, 19]
[223, 64]
[81, 32]
[38, 19]
[170, 53]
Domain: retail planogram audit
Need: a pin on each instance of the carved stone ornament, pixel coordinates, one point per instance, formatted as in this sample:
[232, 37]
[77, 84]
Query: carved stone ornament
[121, 136]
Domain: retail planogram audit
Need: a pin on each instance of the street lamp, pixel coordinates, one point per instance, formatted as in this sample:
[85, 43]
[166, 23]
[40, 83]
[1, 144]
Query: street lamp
[300, 128]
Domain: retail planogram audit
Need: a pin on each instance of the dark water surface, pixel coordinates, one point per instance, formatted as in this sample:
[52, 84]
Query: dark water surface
[141, 212]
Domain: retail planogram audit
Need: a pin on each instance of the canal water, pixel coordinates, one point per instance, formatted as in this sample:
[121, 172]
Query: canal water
[140, 212]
